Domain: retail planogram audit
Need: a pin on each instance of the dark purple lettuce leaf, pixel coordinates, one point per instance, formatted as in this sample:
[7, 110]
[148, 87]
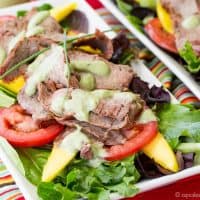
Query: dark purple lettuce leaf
[188, 160]
[141, 13]
[146, 167]
[149, 95]
[120, 44]
[149, 169]
[159, 95]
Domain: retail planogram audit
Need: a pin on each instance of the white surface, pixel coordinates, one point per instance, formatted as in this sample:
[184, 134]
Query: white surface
[171, 63]
[28, 190]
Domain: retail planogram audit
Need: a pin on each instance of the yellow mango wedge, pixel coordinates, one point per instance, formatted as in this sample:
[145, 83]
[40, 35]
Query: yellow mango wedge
[160, 151]
[15, 86]
[89, 49]
[164, 18]
[60, 13]
[57, 161]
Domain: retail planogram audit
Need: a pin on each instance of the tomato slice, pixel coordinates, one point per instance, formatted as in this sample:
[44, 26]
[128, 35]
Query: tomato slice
[144, 133]
[22, 131]
[4, 18]
[162, 38]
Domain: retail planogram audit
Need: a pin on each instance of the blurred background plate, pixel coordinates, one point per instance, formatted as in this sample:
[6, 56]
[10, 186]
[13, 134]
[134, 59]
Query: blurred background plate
[170, 62]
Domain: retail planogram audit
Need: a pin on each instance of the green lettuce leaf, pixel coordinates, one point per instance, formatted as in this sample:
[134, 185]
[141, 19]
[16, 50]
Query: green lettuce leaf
[80, 180]
[136, 22]
[177, 120]
[124, 7]
[190, 57]
[33, 161]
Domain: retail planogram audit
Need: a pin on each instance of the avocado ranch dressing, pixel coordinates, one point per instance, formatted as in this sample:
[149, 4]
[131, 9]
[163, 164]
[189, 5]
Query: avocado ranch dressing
[33, 28]
[72, 148]
[83, 102]
[89, 69]
[41, 68]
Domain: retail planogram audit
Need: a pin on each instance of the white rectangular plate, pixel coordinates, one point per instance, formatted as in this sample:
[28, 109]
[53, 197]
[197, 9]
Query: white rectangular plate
[28, 190]
[171, 63]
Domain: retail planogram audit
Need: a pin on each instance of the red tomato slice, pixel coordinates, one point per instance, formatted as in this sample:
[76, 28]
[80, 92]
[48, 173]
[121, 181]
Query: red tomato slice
[21, 130]
[144, 133]
[4, 18]
[163, 39]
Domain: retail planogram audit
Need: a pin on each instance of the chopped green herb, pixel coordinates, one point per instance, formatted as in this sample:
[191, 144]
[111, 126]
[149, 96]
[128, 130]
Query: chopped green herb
[44, 7]
[21, 13]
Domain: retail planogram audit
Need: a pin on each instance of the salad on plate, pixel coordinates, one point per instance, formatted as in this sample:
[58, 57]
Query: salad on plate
[76, 118]
[172, 25]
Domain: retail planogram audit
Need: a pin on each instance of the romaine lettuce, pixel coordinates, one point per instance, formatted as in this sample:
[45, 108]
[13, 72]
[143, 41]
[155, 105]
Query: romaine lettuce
[190, 57]
[176, 121]
[80, 180]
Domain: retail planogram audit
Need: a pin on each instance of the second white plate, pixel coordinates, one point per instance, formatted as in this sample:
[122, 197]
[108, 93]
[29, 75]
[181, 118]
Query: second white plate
[171, 63]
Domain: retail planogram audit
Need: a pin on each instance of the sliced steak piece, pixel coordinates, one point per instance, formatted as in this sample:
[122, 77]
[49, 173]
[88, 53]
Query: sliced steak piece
[120, 75]
[116, 113]
[33, 106]
[52, 29]
[11, 27]
[180, 10]
[98, 41]
[107, 137]
[86, 152]
[4, 41]
[22, 50]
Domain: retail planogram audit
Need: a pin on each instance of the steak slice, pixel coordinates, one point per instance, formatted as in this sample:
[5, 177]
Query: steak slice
[180, 10]
[22, 50]
[116, 113]
[120, 75]
[98, 41]
[107, 137]
[33, 106]
[52, 29]
[103, 135]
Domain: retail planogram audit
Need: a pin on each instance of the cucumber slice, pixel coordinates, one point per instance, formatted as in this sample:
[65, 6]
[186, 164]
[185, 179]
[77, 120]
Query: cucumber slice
[5, 100]
[189, 147]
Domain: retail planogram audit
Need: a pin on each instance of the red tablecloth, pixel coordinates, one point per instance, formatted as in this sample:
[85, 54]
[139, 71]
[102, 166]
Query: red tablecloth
[185, 189]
